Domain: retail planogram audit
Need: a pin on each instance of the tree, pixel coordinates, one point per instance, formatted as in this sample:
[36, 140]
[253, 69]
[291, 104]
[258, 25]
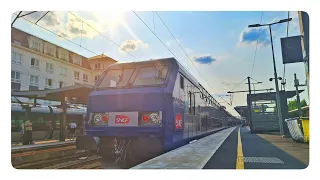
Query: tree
[293, 104]
[303, 103]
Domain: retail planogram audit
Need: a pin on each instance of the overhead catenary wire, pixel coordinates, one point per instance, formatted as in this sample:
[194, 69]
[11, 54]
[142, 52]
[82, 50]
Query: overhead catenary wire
[184, 52]
[154, 25]
[155, 35]
[58, 35]
[172, 52]
[103, 35]
[261, 83]
[255, 52]
[42, 17]
[238, 84]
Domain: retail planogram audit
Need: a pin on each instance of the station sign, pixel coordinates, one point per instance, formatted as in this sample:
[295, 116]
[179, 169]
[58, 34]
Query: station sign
[291, 49]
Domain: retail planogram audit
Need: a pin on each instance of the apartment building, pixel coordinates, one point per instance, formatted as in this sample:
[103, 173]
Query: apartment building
[37, 64]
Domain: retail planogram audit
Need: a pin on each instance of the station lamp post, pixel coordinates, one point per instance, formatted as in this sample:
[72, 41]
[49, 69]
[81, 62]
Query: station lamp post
[274, 69]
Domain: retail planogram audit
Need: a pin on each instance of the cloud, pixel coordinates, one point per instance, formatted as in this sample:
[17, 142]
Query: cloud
[252, 35]
[69, 26]
[51, 19]
[204, 59]
[132, 45]
[63, 35]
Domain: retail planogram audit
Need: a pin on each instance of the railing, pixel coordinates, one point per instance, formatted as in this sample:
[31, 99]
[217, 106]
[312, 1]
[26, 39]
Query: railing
[295, 113]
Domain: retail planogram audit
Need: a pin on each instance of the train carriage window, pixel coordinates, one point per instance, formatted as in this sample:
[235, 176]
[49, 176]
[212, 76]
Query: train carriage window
[181, 82]
[151, 75]
[189, 97]
[192, 105]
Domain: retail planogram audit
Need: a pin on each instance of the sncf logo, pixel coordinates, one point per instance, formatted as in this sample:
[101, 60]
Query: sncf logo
[121, 119]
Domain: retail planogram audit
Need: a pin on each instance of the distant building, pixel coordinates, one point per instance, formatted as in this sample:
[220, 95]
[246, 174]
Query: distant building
[37, 64]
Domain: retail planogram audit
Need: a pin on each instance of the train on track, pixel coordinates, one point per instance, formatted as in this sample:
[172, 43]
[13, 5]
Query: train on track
[41, 115]
[143, 109]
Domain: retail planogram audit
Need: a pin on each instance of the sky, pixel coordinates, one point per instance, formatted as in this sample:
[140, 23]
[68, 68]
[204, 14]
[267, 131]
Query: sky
[217, 48]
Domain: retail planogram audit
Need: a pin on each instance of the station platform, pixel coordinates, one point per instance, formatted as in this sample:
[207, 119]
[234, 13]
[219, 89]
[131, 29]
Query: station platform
[41, 144]
[234, 148]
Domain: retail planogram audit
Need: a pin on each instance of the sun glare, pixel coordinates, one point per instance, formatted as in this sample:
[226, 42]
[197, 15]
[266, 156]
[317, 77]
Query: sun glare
[112, 19]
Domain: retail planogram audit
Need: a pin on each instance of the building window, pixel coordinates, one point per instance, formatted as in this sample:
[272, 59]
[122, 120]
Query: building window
[16, 58]
[63, 71]
[35, 45]
[49, 67]
[34, 80]
[76, 59]
[96, 78]
[48, 83]
[50, 50]
[76, 75]
[15, 80]
[34, 63]
[97, 66]
[61, 84]
[15, 76]
[85, 77]
[64, 55]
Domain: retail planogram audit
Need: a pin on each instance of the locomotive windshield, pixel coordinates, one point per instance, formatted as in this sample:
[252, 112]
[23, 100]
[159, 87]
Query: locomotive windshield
[149, 75]
[116, 78]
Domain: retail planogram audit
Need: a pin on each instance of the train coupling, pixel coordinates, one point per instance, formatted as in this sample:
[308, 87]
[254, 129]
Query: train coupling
[87, 142]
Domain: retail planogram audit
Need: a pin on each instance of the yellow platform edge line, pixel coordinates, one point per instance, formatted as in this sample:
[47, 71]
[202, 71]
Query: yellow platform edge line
[240, 163]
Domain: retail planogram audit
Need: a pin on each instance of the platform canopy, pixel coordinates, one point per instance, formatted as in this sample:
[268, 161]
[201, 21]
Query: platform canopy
[272, 95]
[243, 110]
[78, 93]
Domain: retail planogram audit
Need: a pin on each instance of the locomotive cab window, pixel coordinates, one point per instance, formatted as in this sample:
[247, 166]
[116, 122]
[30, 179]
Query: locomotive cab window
[116, 78]
[152, 75]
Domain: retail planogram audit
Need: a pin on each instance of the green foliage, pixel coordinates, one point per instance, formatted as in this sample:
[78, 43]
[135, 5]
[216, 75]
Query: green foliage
[304, 103]
[293, 104]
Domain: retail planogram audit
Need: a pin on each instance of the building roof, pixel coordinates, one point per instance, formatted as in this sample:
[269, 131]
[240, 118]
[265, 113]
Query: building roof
[101, 57]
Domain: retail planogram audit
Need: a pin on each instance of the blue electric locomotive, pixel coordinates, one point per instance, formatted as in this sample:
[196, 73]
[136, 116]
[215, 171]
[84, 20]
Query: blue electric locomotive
[142, 109]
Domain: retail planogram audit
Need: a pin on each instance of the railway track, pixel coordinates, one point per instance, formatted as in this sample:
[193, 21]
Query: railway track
[85, 162]
[80, 160]
[49, 162]
[62, 156]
